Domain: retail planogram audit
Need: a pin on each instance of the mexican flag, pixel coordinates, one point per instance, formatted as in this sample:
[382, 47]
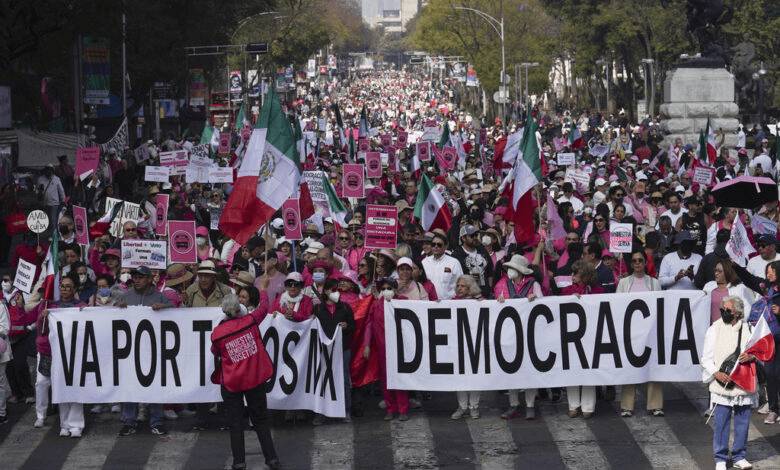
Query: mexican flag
[575, 138]
[416, 167]
[336, 209]
[269, 173]
[103, 224]
[762, 345]
[210, 136]
[712, 144]
[445, 136]
[241, 121]
[52, 276]
[430, 208]
[340, 126]
[527, 172]
[300, 141]
[702, 151]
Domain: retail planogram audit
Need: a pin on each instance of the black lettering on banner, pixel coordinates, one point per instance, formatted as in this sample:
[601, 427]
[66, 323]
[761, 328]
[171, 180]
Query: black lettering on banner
[611, 346]
[660, 316]
[513, 366]
[539, 310]
[145, 326]
[202, 327]
[169, 354]
[292, 338]
[68, 366]
[679, 344]
[437, 340]
[328, 382]
[117, 352]
[92, 366]
[573, 336]
[634, 306]
[313, 366]
[474, 349]
[272, 335]
[404, 314]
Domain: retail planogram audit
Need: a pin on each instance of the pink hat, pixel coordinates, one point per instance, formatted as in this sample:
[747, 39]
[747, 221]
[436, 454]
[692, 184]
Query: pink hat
[607, 253]
[351, 276]
[388, 253]
[202, 231]
[500, 210]
[294, 276]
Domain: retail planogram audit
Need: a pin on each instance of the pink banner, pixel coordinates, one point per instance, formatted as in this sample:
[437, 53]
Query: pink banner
[161, 206]
[423, 151]
[87, 160]
[373, 165]
[291, 215]
[182, 241]
[381, 227]
[353, 181]
[224, 143]
[82, 227]
[246, 134]
[403, 139]
[392, 160]
[554, 220]
[483, 137]
[363, 145]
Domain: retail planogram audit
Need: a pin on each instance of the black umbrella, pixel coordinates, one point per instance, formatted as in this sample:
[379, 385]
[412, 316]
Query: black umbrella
[745, 192]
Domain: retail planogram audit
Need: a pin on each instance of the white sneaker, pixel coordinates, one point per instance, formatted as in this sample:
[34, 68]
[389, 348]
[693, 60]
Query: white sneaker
[763, 409]
[64, 433]
[474, 413]
[743, 465]
[38, 423]
[382, 405]
[170, 414]
[720, 465]
[116, 408]
[459, 413]
[97, 409]
[75, 433]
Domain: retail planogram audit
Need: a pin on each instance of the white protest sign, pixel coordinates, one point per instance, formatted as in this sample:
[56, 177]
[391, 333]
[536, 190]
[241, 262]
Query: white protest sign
[603, 339]
[197, 175]
[431, 133]
[110, 355]
[308, 366]
[158, 174]
[25, 276]
[738, 246]
[620, 237]
[566, 158]
[221, 175]
[177, 161]
[38, 221]
[150, 253]
[130, 211]
[703, 175]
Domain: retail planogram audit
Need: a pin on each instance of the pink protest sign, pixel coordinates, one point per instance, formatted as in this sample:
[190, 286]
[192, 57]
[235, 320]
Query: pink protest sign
[82, 228]
[387, 140]
[392, 160]
[373, 165]
[291, 215]
[483, 137]
[363, 145]
[381, 226]
[87, 161]
[224, 143]
[161, 207]
[246, 134]
[449, 157]
[423, 151]
[177, 160]
[403, 139]
[182, 241]
[353, 181]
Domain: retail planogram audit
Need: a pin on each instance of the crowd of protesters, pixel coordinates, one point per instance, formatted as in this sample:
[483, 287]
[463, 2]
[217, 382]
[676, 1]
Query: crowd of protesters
[680, 241]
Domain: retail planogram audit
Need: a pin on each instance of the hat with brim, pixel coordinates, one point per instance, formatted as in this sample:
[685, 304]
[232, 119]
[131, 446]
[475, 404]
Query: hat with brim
[322, 265]
[518, 263]
[244, 279]
[110, 252]
[389, 254]
[177, 274]
[207, 267]
[314, 247]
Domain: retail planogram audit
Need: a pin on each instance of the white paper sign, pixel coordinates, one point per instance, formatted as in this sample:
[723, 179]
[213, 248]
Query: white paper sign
[159, 174]
[25, 276]
[38, 221]
[565, 159]
[703, 175]
[738, 246]
[221, 175]
[620, 237]
[150, 253]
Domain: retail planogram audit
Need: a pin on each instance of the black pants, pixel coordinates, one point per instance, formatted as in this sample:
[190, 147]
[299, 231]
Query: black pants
[18, 371]
[772, 370]
[258, 411]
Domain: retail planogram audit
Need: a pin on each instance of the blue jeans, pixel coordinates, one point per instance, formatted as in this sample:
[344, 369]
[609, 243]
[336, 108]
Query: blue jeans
[720, 438]
[130, 412]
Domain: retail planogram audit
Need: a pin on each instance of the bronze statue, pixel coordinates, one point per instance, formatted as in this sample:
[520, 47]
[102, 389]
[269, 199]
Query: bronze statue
[705, 18]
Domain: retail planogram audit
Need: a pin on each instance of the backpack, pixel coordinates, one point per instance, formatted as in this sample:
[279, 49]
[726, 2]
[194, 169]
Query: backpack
[763, 307]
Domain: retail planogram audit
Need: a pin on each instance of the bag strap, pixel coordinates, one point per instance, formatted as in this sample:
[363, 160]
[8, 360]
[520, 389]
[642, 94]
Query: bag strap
[739, 340]
[527, 288]
[510, 284]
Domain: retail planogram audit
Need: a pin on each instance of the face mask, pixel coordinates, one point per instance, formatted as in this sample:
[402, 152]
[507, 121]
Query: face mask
[388, 294]
[83, 278]
[319, 278]
[618, 200]
[200, 241]
[727, 317]
[103, 292]
[124, 277]
[640, 195]
[64, 229]
[486, 240]
[7, 286]
[512, 273]
[334, 296]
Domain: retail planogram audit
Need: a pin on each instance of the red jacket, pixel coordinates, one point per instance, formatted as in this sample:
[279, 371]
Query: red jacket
[245, 362]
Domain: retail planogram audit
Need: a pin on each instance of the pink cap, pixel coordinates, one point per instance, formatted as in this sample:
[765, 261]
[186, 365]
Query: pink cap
[294, 276]
[202, 231]
[607, 253]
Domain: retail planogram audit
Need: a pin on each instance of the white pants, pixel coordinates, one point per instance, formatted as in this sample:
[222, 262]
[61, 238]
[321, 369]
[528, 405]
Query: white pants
[585, 400]
[3, 388]
[71, 414]
[530, 397]
[468, 399]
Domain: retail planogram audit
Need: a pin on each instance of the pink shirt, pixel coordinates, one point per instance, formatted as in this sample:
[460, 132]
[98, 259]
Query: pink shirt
[717, 298]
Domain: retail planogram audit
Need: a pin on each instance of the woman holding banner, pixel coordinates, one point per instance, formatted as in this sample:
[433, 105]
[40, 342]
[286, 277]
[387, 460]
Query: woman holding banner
[640, 281]
[583, 278]
[407, 286]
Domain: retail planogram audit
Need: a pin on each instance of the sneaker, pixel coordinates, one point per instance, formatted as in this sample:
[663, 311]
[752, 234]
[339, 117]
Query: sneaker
[626, 413]
[403, 417]
[97, 409]
[159, 430]
[414, 403]
[170, 415]
[720, 465]
[116, 408]
[658, 412]
[127, 430]
[347, 420]
[4, 419]
[763, 409]
[708, 413]
[771, 418]
[743, 465]
[64, 433]
[200, 426]
[213, 410]
[459, 413]
[382, 405]
[530, 414]
[474, 413]
[75, 433]
[511, 412]
[388, 417]
[185, 413]
[318, 420]
[38, 423]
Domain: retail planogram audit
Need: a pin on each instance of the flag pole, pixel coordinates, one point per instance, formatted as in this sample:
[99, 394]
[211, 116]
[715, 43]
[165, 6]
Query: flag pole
[541, 259]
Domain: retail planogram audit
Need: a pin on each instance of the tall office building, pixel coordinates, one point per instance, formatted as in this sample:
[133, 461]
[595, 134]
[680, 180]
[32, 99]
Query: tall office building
[391, 14]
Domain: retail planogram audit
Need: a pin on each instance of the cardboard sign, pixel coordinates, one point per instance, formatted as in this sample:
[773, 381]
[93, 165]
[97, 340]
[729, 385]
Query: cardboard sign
[392, 160]
[381, 226]
[224, 143]
[177, 161]
[402, 139]
[363, 145]
[373, 165]
[161, 219]
[150, 253]
[246, 134]
[353, 181]
[566, 158]
[80, 222]
[291, 216]
[621, 237]
[448, 158]
[158, 174]
[423, 151]
[215, 213]
[142, 153]
[703, 175]
[221, 175]
[130, 211]
[431, 132]
[38, 221]
[25, 276]
[87, 160]
[387, 140]
[182, 238]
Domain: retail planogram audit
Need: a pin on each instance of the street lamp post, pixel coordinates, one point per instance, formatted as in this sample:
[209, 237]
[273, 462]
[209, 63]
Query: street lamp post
[650, 106]
[498, 27]
[526, 65]
[759, 76]
[605, 62]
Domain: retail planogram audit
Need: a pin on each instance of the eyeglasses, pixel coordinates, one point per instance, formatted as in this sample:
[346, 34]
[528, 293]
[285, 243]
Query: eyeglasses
[131, 229]
[344, 238]
[600, 220]
[438, 245]
[359, 236]
[293, 284]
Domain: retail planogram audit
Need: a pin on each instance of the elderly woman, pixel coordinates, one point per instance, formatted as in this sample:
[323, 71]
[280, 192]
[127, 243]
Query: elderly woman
[725, 336]
[320, 270]
[293, 304]
[583, 278]
[466, 288]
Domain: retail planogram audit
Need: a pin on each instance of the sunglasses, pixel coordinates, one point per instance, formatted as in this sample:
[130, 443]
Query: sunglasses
[344, 238]
[638, 260]
[725, 311]
[438, 245]
[620, 195]
[293, 284]
[600, 220]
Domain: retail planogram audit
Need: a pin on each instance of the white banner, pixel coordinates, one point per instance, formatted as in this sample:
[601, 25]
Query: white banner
[605, 339]
[133, 354]
[221, 175]
[308, 367]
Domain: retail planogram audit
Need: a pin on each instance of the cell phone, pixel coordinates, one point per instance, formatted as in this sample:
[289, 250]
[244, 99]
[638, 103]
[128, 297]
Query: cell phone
[690, 268]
